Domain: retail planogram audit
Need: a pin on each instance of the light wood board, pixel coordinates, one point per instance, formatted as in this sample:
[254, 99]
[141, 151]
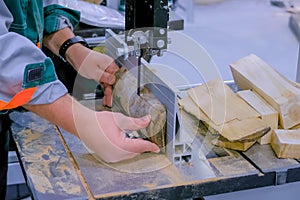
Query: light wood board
[267, 113]
[222, 110]
[239, 146]
[286, 143]
[251, 72]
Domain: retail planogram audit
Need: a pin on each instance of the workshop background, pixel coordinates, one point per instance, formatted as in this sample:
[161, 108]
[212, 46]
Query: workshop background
[232, 29]
[228, 30]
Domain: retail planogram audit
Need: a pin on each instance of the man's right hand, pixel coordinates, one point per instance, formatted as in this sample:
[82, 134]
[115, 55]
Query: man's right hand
[102, 132]
[105, 135]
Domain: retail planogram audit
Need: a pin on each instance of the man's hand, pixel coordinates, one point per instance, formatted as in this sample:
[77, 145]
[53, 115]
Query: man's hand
[105, 136]
[86, 62]
[102, 132]
[94, 65]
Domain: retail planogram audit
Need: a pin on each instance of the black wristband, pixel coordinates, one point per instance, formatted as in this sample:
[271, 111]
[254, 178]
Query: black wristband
[69, 42]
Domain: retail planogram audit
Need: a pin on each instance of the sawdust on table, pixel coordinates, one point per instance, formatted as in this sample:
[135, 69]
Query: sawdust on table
[46, 169]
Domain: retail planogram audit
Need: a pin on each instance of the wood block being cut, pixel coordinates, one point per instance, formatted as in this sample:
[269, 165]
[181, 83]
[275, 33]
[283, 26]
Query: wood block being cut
[221, 109]
[239, 146]
[251, 72]
[267, 113]
[126, 101]
[286, 143]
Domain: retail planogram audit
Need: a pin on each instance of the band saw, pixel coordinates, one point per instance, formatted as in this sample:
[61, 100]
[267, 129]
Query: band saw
[146, 35]
[57, 164]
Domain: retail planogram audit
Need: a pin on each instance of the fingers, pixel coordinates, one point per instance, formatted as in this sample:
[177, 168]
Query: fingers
[104, 103]
[136, 145]
[139, 146]
[131, 123]
[109, 141]
[132, 148]
[133, 145]
[107, 78]
[112, 68]
[107, 98]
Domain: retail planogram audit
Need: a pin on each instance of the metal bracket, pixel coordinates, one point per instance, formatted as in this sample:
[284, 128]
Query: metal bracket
[298, 67]
[281, 177]
[178, 148]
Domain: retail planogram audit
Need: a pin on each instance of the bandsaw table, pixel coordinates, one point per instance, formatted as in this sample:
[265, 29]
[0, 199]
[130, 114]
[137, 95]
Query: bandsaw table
[58, 166]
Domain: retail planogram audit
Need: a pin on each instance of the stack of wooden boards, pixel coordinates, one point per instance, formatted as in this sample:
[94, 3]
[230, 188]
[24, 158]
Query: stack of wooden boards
[266, 109]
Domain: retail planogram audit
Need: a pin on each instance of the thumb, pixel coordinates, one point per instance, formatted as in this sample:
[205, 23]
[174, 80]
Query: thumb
[131, 123]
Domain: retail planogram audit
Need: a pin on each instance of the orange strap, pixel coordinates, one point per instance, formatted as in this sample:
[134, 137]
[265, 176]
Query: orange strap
[19, 99]
[38, 45]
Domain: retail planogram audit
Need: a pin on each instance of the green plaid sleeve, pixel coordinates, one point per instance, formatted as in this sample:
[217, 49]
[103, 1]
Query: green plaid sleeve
[58, 17]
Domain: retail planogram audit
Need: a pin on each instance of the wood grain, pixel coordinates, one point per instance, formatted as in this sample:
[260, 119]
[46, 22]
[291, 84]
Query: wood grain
[286, 143]
[267, 113]
[220, 103]
[224, 112]
[239, 146]
[251, 72]
[126, 101]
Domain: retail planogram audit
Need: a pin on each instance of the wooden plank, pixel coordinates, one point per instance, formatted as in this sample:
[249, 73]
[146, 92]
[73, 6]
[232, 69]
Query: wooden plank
[239, 146]
[286, 143]
[224, 111]
[220, 103]
[267, 113]
[49, 172]
[251, 72]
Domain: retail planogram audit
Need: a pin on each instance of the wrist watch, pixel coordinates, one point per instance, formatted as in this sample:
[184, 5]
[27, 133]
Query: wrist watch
[69, 42]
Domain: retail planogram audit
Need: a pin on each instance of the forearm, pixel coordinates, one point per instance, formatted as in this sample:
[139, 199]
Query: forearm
[102, 132]
[61, 112]
[86, 62]
[75, 54]
[55, 40]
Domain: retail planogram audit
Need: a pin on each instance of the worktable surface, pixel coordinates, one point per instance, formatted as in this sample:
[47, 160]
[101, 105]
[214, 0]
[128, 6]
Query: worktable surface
[58, 166]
